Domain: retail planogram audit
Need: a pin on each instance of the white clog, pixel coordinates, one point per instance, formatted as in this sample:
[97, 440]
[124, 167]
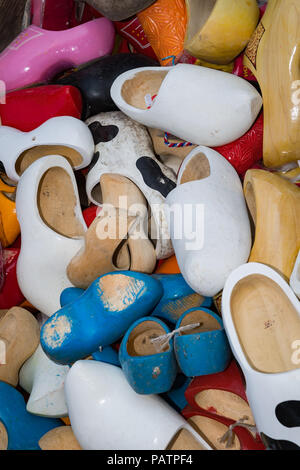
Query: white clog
[107, 414]
[65, 135]
[124, 147]
[197, 104]
[295, 277]
[209, 223]
[44, 380]
[261, 316]
[52, 227]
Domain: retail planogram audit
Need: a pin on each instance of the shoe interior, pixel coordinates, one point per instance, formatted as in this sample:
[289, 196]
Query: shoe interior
[184, 440]
[199, 12]
[207, 322]
[31, 155]
[3, 437]
[196, 169]
[266, 322]
[56, 201]
[139, 341]
[212, 431]
[225, 404]
[141, 85]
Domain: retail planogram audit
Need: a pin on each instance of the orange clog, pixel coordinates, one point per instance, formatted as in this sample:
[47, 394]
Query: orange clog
[168, 266]
[164, 23]
[9, 225]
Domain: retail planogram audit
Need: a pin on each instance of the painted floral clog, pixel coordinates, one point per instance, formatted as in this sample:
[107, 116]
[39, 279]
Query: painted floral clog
[208, 248]
[28, 109]
[148, 370]
[51, 220]
[93, 392]
[20, 430]
[132, 32]
[164, 23]
[63, 135]
[95, 80]
[25, 60]
[261, 316]
[94, 319]
[204, 349]
[185, 101]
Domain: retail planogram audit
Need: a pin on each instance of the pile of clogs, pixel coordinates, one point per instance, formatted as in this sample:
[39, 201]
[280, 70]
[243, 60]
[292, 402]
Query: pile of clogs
[149, 225]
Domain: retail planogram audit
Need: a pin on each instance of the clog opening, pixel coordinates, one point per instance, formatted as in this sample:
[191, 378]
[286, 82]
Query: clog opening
[198, 14]
[267, 324]
[212, 431]
[119, 291]
[250, 199]
[3, 437]
[139, 341]
[142, 88]
[196, 169]
[184, 440]
[31, 155]
[56, 202]
[224, 403]
[207, 322]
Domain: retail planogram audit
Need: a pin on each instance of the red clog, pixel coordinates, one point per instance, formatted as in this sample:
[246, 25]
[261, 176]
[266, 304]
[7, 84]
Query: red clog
[10, 294]
[217, 431]
[222, 394]
[133, 32]
[90, 214]
[54, 15]
[27, 109]
[244, 152]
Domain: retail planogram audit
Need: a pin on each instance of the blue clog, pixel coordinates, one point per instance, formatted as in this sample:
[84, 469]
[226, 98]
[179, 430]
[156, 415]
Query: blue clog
[20, 429]
[178, 297]
[176, 396]
[203, 350]
[100, 316]
[147, 370]
[69, 295]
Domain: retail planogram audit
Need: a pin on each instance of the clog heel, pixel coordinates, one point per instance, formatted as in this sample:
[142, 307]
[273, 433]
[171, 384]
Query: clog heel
[148, 370]
[19, 331]
[272, 55]
[274, 204]
[218, 30]
[110, 242]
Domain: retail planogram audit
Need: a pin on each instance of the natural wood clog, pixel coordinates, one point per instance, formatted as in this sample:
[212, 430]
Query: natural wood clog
[218, 30]
[126, 247]
[272, 56]
[19, 333]
[61, 438]
[274, 204]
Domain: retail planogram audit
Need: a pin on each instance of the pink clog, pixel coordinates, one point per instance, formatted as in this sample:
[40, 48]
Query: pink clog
[37, 54]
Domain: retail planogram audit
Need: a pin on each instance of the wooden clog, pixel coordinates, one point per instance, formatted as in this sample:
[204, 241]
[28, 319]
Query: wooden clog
[274, 204]
[110, 251]
[218, 30]
[11, 14]
[9, 225]
[61, 438]
[19, 332]
[164, 24]
[116, 10]
[272, 56]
